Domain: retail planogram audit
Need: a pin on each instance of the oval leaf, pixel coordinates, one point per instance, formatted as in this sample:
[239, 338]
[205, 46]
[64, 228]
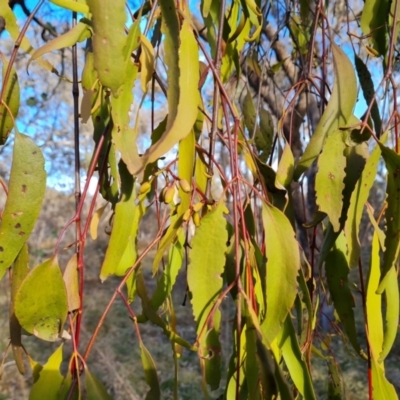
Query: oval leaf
[43, 312]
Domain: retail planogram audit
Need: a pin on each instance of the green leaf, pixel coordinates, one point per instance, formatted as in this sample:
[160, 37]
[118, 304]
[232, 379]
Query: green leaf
[392, 313]
[329, 181]
[383, 389]
[338, 110]
[358, 200]
[283, 263]
[367, 86]
[182, 107]
[94, 388]
[11, 94]
[294, 361]
[108, 42]
[25, 195]
[146, 62]
[150, 372]
[50, 379]
[71, 280]
[80, 32]
[337, 271]
[335, 383]
[78, 6]
[19, 271]
[392, 213]
[121, 231]
[43, 312]
[374, 23]
[207, 260]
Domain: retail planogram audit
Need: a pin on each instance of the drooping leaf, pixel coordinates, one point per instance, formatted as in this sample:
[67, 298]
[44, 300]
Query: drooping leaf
[337, 271]
[183, 112]
[367, 86]
[383, 389]
[294, 361]
[335, 382]
[146, 61]
[358, 199]
[11, 94]
[19, 271]
[94, 388]
[207, 260]
[121, 230]
[25, 195]
[43, 312]
[94, 223]
[71, 280]
[80, 32]
[373, 23]
[150, 372]
[329, 181]
[109, 39]
[338, 110]
[392, 213]
[50, 379]
[283, 263]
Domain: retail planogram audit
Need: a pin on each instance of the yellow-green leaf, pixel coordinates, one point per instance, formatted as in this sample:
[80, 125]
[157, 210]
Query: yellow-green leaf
[180, 124]
[146, 62]
[50, 379]
[71, 280]
[283, 263]
[43, 312]
[329, 181]
[78, 6]
[150, 372]
[338, 110]
[94, 388]
[10, 97]
[109, 39]
[25, 195]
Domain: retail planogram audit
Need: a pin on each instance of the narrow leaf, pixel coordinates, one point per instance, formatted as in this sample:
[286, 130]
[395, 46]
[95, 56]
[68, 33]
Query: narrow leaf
[150, 372]
[11, 95]
[94, 388]
[146, 62]
[43, 312]
[338, 110]
[71, 281]
[26, 191]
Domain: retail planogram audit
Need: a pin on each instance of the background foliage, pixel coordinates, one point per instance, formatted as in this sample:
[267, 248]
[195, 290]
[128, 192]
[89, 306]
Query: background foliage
[230, 162]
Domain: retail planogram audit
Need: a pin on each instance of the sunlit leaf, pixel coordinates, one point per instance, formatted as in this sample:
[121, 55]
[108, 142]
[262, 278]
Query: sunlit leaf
[26, 191]
[78, 6]
[50, 379]
[71, 280]
[146, 62]
[338, 110]
[329, 181]
[283, 263]
[109, 39]
[10, 98]
[43, 312]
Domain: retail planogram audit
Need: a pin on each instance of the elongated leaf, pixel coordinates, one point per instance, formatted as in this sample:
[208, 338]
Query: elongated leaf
[26, 191]
[78, 6]
[94, 388]
[357, 201]
[79, 33]
[337, 271]
[121, 230]
[19, 271]
[71, 280]
[43, 312]
[337, 112]
[392, 313]
[373, 23]
[11, 99]
[392, 214]
[335, 383]
[186, 77]
[108, 42]
[329, 181]
[146, 61]
[364, 76]
[383, 389]
[50, 379]
[150, 372]
[294, 360]
[283, 263]
[207, 260]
